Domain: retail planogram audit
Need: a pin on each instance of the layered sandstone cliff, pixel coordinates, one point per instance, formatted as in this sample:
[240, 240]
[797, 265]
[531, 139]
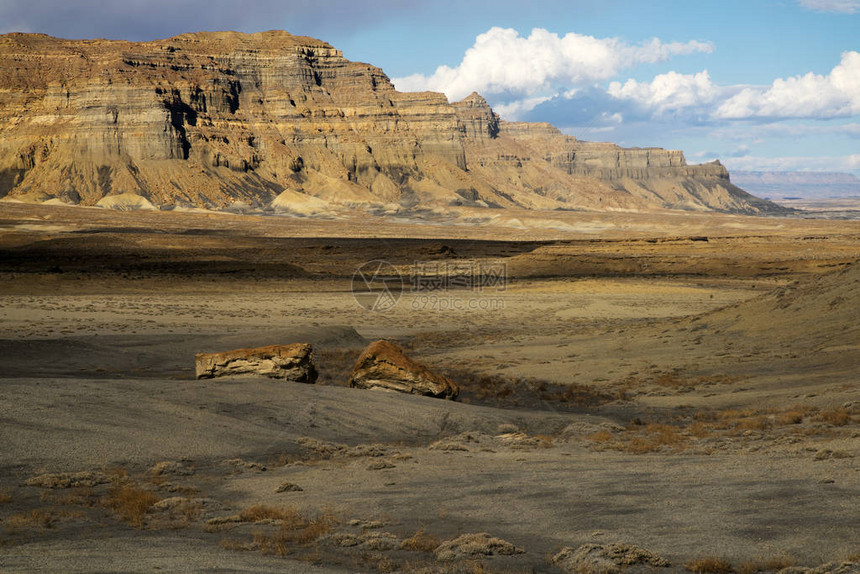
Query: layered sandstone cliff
[282, 121]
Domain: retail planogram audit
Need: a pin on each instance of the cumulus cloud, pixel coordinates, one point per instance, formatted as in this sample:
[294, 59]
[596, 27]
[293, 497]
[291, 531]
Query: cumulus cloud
[669, 92]
[843, 6]
[517, 108]
[541, 65]
[810, 96]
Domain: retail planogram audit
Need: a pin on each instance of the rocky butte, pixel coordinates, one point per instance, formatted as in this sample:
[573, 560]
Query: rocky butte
[273, 120]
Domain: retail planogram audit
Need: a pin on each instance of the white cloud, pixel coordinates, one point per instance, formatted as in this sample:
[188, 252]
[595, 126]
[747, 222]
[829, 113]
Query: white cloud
[518, 107]
[542, 64]
[668, 92]
[843, 6]
[808, 96]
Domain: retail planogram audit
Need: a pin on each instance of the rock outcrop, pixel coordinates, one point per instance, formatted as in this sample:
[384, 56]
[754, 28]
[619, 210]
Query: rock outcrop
[384, 365]
[286, 362]
[282, 122]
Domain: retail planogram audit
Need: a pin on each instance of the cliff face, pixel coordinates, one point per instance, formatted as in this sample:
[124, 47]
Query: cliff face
[277, 120]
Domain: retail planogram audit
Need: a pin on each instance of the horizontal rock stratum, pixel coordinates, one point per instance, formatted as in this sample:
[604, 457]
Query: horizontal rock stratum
[286, 362]
[272, 120]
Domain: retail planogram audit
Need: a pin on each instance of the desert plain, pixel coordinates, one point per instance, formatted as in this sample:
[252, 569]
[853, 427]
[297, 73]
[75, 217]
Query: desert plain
[682, 384]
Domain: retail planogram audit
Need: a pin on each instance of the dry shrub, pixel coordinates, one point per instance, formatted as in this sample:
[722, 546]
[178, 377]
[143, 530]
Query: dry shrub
[38, 518]
[116, 474]
[641, 445]
[741, 420]
[709, 565]
[794, 415]
[295, 530]
[180, 512]
[260, 512]
[546, 441]
[765, 565]
[386, 564]
[699, 429]
[5, 496]
[82, 496]
[664, 434]
[837, 417]
[600, 437]
[654, 437]
[789, 418]
[737, 421]
[641, 438]
[755, 423]
[68, 479]
[130, 502]
[421, 542]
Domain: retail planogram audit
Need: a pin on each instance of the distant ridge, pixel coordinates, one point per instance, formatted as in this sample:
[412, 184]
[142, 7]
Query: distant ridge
[281, 122]
[804, 184]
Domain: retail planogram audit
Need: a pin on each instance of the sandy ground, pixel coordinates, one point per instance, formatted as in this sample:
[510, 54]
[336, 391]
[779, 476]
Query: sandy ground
[628, 384]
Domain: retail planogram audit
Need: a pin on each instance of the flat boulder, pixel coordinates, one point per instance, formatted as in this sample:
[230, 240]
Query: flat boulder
[286, 362]
[384, 365]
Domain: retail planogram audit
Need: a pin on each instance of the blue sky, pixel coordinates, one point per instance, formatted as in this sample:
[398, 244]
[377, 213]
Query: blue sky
[759, 84]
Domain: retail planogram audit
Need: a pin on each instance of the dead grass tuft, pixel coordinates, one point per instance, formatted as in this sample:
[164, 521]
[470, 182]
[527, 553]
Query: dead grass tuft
[699, 429]
[421, 542]
[640, 445]
[664, 434]
[837, 417]
[38, 518]
[68, 480]
[753, 423]
[546, 441]
[794, 415]
[642, 438]
[130, 502]
[654, 437]
[5, 496]
[260, 512]
[295, 530]
[709, 565]
[116, 474]
[600, 437]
